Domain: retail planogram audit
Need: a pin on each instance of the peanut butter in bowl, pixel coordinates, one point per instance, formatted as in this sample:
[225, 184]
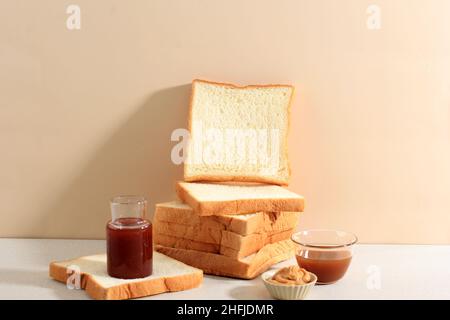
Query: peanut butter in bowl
[289, 283]
[293, 275]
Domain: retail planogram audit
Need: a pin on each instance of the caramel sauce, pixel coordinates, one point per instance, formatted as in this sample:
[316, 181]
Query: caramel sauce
[329, 267]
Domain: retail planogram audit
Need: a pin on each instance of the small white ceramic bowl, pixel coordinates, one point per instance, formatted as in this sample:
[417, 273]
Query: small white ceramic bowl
[287, 291]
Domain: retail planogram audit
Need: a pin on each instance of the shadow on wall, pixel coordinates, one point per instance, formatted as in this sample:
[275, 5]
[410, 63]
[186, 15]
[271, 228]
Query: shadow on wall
[135, 160]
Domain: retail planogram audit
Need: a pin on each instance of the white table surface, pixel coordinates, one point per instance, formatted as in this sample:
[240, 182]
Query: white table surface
[376, 272]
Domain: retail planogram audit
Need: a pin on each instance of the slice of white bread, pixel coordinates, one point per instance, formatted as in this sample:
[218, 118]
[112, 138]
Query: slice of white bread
[245, 268]
[181, 243]
[222, 242]
[224, 199]
[244, 224]
[238, 133]
[168, 275]
[215, 236]
[212, 236]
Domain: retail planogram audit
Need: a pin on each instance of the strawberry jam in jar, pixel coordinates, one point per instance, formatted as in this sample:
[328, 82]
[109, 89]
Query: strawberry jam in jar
[129, 239]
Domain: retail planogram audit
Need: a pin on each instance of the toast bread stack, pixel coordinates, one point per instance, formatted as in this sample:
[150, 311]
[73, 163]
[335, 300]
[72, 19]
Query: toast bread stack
[234, 236]
[233, 217]
[243, 224]
[226, 242]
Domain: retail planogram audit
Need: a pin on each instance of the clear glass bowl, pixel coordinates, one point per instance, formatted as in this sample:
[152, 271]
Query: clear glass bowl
[326, 253]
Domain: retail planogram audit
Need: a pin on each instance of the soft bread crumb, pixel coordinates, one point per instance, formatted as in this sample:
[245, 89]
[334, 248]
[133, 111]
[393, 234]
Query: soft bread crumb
[239, 133]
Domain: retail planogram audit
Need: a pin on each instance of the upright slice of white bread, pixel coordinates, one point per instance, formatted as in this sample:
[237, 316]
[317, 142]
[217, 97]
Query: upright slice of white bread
[168, 275]
[245, 268]
[244, 224]
[239, 247]
[238, 133]
[224, 199]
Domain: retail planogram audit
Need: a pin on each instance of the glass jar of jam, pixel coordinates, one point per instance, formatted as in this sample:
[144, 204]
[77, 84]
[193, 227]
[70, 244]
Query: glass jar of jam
[129, 239]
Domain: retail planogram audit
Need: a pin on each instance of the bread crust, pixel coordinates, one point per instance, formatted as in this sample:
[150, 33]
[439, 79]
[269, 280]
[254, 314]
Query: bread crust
[186, 230]
[230, 244]
[130, 290]
[256, 223]
[241, 206]
[224, 178]
[235, 268]
[248, 178]
[216, 236]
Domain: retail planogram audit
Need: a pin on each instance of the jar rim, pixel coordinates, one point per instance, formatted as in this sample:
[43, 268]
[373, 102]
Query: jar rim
[128, 199]
[353, 237]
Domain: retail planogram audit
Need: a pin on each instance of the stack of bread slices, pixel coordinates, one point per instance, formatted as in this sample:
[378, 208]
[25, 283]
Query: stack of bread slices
[233, 218]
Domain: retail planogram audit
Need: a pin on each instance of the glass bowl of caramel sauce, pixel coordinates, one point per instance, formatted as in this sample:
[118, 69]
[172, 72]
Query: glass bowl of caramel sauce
[326, 253]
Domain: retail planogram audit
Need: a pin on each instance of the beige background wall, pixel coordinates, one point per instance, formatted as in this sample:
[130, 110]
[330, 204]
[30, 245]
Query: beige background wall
[87, 114]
